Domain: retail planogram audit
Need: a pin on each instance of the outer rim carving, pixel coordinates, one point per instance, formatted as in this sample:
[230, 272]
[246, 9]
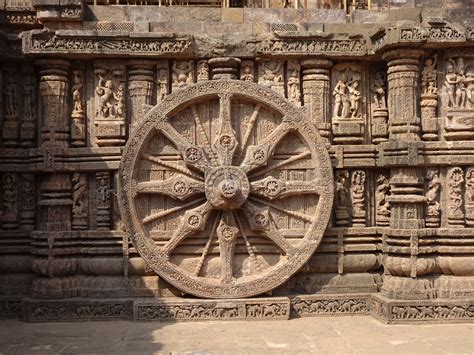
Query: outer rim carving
[145, 246]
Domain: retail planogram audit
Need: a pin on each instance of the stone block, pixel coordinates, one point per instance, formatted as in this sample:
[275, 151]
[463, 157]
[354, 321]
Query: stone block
[195, 310]
[234, 15]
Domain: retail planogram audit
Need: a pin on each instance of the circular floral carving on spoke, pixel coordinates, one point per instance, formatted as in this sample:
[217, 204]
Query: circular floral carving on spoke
[232, 189]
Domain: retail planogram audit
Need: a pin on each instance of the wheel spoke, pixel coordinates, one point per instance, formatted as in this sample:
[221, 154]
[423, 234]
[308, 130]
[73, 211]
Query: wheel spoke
[203, 133]
[260, 219]
[253, 257]
[193, 221]
[258, 155]
[295, 214]
[272, 188]
[178, 168]
[280, 164]
[199, 265]
[227, 233]
[192, 154]
[168, 211]
[178, 187]
[249, 129]
[226, 142]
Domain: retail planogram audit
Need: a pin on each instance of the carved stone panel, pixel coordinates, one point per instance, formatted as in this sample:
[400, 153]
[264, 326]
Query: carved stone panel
[215, 185]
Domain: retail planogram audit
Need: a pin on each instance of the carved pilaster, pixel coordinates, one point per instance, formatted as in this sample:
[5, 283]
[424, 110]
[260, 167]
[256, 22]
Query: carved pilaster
[382, 209]
[78, 116]
[403, 77]
[79, 201]
[12, 105]
[455, 186]
[140, 89]
[293, 82]
[429, 100]
[9, 216]
[378, 89]
[54, 91]
[28, 206]
[433, 209]
[358, 198]
[55, 200]
[224, 68]
[163, 83]
[342, 198]
[103, 200]
[469, 197]
[29, 117]
[316, 93]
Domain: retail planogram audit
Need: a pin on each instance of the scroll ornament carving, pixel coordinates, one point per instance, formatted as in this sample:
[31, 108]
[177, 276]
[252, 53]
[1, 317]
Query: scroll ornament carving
[433, 210]
[231, 196]
[469, 197]
[455, 197]
[383, 206]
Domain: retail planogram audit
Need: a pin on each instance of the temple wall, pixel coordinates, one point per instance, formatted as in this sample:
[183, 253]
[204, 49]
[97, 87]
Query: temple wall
[391, 95]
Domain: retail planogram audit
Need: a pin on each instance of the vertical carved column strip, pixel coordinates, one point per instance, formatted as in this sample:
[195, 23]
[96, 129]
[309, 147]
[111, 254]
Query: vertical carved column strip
[28, 207]
[78, 116]
[12, 106]
[29, 121]
[405, 267]
[403, 76]
[103, 200]
[140, 89]
[316, 93]
[54, 89]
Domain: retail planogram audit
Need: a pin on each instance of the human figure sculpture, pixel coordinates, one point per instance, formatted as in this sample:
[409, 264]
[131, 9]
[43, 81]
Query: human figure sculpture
[450, 82]
[105, 91]
[163, 83]
[293, 87]
[434, 185]
[378, 89]
[181, 71]
[341, 99]
[354, 96]
[428, 75]
[119, 96]
[247, 74]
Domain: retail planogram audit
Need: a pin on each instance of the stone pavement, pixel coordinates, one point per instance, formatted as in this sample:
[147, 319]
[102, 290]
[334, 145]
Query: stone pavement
[325, 335]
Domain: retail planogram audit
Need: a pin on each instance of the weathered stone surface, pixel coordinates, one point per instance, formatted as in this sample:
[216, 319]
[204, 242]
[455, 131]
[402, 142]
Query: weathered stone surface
[150, 152]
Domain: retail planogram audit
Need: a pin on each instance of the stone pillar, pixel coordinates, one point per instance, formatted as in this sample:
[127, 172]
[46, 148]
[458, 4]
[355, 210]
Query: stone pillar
[316, 93]
[140, 89]
[55, 198]
[54, 90]
[406, 261]
[403, 102]
[224, 68]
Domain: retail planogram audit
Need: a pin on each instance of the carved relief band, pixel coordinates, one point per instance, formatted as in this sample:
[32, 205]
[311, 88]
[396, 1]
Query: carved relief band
[222, 189]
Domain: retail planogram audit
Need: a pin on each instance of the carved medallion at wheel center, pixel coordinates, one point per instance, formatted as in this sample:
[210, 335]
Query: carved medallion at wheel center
[226, 187]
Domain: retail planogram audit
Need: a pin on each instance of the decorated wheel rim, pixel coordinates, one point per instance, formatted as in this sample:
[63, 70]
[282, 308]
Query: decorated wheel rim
[226, 189]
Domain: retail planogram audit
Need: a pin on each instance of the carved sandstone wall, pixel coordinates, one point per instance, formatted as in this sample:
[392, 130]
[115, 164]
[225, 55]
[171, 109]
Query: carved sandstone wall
[329, 164]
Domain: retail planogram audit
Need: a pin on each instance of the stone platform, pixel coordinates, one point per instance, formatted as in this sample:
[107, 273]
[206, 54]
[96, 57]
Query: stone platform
[268, 308]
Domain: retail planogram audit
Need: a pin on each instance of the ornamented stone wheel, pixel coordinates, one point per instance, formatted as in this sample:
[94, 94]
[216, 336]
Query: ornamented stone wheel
[226, 189]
